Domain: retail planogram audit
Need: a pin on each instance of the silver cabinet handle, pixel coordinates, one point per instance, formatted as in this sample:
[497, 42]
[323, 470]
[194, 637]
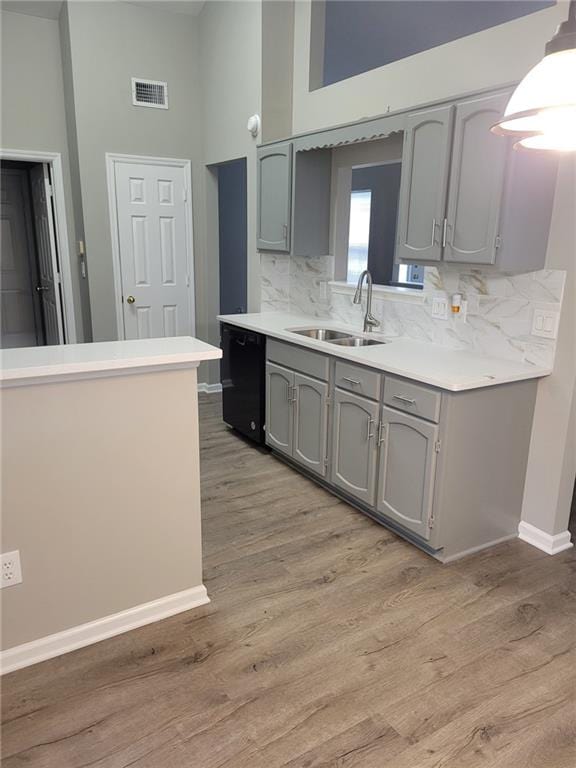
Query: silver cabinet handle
[382, 432]
[403, 399]
[288, 398]
[351, 381]
[444, 229]
[433, 232]
[370, 434]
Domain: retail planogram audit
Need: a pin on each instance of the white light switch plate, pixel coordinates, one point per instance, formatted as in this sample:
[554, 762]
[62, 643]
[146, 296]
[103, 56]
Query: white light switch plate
[11, 571]
[545, 323]
[439, 308]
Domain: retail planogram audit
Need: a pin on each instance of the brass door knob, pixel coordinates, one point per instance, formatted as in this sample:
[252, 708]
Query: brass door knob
[130, 300]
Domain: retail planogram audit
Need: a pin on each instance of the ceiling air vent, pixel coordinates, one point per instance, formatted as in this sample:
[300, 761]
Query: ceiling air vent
[149, 93]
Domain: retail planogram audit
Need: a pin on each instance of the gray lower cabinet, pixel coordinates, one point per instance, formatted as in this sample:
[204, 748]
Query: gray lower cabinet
[407, 468]
[279, 408]
[296, 416]
[310, 423]
[354, 447]
[274, 197]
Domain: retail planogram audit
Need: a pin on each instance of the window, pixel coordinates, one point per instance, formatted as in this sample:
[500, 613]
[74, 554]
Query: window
[359, 234]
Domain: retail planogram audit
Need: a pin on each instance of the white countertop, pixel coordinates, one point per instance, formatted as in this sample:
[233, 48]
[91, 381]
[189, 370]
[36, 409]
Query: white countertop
[454, 370]
[25, 364]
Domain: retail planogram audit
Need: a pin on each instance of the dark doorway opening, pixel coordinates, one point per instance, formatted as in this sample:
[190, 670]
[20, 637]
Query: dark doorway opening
[233, 238]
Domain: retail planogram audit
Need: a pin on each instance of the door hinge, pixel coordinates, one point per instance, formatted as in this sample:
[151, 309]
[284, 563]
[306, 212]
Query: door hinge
[497, 242]
[58, 278]
[326, 461]
[50, 190]
[437, 446]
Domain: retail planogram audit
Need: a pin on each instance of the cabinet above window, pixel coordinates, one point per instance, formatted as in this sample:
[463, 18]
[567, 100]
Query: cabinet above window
[465, 196]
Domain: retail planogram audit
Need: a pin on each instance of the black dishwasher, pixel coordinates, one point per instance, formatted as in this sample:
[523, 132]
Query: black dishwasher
[243, 369]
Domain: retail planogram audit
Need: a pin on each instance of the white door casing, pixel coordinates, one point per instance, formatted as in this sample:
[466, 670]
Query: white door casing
[49, 273]
[151, 221]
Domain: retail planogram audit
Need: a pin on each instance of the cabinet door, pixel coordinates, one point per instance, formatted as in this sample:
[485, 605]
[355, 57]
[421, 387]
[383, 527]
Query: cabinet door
[425, 165]
[310, 423]
[354, 445]
[476, 182]
[407, 468]
[274, 197]
[279, 408]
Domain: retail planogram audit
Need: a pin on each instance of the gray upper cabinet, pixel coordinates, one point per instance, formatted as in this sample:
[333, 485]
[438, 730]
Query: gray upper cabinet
[310, 423]
[407, 469]
[354, 446]
[476, 182]
[466, 197]
[279, 408]
[425, 171]
[274, 197]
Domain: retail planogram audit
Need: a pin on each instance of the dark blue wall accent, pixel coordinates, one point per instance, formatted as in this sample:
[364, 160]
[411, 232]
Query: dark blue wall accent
[232, 229]
[384, 183]
[365, 34]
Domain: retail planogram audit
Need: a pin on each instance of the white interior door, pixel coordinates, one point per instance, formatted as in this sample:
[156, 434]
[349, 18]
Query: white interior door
[49, 277]
[20, 324]
[154, 249]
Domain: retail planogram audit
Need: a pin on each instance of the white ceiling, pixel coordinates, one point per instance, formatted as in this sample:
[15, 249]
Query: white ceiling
[50, 9]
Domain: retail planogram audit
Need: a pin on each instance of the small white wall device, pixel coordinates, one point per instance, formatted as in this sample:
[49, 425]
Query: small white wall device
[253, 125]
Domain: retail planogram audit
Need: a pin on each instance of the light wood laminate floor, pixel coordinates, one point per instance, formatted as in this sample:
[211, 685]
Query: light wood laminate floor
[329, 642]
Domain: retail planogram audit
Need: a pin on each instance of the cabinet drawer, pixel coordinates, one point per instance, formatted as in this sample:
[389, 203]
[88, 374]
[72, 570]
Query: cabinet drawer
[297, 358]
[362, 381]
[412, 398]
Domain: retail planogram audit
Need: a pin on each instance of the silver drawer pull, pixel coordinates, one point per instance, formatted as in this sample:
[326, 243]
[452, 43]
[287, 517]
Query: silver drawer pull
[403, 399]
[351, 381]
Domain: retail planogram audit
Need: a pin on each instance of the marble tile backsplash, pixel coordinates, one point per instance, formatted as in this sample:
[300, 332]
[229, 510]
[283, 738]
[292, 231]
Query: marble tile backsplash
[498, 321]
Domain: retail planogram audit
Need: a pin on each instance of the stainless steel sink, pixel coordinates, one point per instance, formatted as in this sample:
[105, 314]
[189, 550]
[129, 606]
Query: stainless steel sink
[324, 334]
[356, 342]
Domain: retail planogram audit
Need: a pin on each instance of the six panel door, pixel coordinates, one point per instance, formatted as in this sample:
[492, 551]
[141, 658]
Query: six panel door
[425, 166]
[279, 408]
[274, 197]
[406, 472]
[354, 445]
[153, 239]
[476, 182]
[310, 423]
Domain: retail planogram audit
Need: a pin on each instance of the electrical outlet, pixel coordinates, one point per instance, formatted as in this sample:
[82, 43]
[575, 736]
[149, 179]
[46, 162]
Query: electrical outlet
[11, 569]
[545, 323]
[439, 308]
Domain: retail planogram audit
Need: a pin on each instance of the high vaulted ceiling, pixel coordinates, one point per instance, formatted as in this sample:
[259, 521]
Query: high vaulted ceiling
[50, 9]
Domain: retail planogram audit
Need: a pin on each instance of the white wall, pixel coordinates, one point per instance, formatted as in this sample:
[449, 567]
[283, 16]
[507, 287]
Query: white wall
[230, 51]
[488, 59]
[33, 107]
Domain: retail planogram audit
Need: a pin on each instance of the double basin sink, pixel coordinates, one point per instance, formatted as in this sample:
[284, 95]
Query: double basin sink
[341, 338]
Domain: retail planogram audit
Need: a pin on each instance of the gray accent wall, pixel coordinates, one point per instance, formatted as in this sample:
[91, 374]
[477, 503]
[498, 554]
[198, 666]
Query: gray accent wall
[137, 42]
[33, 116]
[360, 36]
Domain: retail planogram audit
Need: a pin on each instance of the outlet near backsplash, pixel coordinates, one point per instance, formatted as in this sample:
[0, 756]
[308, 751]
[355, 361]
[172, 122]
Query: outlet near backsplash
[499, 311]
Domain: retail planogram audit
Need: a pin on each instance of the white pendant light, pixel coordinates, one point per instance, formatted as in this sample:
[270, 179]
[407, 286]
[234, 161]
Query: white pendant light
[541, 112]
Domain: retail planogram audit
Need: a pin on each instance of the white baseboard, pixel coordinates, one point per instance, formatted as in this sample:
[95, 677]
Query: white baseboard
[209, 388]
[85, 634]
[544, 541]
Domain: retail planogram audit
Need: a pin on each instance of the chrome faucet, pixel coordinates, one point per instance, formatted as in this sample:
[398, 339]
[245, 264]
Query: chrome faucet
[370, 321]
